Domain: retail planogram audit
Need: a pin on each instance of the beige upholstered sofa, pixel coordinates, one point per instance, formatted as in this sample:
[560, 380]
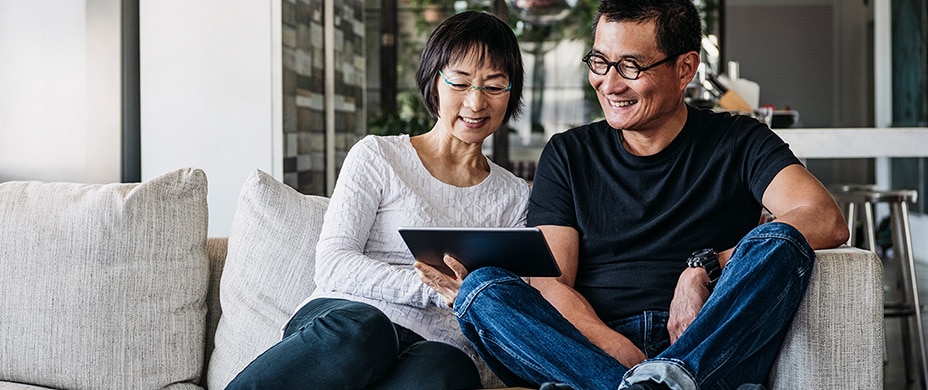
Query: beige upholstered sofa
[118, 287]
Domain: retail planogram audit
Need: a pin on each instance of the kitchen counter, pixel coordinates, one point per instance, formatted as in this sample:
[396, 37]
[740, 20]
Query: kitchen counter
[856, 142]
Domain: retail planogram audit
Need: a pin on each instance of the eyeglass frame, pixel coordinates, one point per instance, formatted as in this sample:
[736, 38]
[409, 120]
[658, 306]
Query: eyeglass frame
[472, 87]
[638, 68]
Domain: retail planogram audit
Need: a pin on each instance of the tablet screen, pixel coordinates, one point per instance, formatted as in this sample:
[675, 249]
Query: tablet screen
[523, 251]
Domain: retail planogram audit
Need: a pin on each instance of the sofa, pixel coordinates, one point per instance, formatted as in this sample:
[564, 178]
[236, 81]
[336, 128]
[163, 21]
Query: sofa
[118, 286]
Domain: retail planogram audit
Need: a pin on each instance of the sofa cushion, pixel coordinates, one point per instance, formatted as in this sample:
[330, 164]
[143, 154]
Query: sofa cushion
[268, 271]
[104, 285]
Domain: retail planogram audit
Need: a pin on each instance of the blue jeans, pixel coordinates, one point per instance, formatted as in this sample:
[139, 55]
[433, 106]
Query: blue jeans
[733, 340]
[341, 344]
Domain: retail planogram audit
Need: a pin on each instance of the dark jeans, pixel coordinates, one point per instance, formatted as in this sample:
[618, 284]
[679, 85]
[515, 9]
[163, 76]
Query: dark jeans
[732, 342]
[340, 344]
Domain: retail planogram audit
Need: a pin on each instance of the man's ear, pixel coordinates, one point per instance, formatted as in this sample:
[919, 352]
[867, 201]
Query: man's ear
[688, 63]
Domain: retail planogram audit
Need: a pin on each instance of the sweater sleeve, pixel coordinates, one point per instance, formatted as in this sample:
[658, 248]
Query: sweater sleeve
[341, 262]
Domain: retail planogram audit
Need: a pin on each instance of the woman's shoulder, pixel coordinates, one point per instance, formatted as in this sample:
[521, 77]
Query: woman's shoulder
[389, 147]
[383, 142]
[508, 179]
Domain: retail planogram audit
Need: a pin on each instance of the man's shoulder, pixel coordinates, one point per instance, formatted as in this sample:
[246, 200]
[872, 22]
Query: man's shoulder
[704, 117]
[583, 133]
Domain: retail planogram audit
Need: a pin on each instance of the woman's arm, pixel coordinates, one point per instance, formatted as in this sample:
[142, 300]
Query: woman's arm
[341, 263]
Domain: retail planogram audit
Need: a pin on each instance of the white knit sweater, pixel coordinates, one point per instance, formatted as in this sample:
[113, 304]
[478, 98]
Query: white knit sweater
[361, 256]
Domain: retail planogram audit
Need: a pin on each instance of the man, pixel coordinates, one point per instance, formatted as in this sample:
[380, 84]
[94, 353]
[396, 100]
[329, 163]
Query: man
[668, 281]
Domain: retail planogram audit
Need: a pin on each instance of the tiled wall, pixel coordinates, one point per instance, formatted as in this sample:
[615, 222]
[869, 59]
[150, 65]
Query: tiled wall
[304, 111]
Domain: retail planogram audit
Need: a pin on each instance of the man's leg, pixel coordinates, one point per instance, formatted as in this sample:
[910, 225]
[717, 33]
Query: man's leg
[737, 334]
[524, 339]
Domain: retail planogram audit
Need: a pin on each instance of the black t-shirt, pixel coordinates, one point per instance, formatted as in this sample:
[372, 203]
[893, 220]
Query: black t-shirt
[640, 217]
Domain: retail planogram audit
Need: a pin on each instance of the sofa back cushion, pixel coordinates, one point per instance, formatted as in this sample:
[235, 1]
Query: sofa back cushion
[104, 285]
[268, 271]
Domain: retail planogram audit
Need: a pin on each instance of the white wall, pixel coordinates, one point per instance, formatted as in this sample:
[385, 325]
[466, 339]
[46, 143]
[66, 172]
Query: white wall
[59, 90]
[210, 93]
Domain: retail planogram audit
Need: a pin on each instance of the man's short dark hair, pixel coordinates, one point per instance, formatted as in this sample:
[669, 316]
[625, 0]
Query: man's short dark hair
[679, 28]
[459, 35]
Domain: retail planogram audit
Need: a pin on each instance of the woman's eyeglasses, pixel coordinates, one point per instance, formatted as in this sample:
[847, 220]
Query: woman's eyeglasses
[464, 86]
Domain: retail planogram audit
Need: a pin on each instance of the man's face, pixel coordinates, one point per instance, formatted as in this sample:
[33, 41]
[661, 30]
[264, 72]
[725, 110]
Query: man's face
[643, 104]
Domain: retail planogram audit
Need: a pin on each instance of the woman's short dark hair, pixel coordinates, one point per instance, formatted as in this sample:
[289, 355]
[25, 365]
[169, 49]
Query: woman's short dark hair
[464, 33]
[679, 28]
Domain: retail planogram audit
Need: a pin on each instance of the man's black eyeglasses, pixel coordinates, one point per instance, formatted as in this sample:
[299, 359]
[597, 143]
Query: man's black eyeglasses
[627, 67]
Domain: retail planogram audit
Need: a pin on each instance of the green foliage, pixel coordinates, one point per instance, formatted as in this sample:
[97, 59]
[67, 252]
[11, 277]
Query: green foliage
[575, 26]
[411, 118]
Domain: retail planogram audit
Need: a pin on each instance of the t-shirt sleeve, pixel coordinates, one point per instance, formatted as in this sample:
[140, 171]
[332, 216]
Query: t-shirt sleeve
[552, 198]
[766, 155]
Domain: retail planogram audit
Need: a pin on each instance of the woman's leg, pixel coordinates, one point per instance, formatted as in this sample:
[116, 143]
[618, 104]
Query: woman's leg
[431, 365]
[329, 344]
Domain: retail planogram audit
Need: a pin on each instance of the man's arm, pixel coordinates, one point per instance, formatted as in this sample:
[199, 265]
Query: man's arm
[796, 197]
[565, 245]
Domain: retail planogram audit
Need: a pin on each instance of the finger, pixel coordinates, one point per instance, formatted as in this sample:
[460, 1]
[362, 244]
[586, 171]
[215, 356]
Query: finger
[459, 270]
[425, 270]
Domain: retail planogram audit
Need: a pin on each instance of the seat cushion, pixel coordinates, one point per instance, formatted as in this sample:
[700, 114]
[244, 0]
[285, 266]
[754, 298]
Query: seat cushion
[104, 285]
[268, 271]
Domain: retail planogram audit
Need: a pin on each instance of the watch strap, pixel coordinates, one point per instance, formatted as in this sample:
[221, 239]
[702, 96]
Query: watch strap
[707, 259]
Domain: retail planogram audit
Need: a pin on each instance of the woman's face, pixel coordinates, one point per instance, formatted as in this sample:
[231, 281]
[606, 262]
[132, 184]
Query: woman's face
[467, 113]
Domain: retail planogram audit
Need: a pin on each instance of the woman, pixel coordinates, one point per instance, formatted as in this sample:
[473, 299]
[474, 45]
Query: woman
[371, 323]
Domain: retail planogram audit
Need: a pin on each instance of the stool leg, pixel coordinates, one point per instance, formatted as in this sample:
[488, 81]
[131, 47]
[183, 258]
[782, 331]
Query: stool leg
[869, 228]
[850, 215]
[916, 361]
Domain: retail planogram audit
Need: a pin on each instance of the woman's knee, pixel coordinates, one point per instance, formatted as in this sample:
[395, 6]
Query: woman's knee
[446, 366]
[347, 326]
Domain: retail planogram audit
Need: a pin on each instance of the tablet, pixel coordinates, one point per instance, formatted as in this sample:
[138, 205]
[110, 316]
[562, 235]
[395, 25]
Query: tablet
[523, 251]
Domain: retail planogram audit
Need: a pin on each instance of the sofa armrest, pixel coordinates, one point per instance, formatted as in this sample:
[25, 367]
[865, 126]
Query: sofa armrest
[836, 338]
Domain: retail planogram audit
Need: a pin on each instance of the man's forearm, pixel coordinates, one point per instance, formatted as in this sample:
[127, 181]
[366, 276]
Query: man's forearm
[578, 311]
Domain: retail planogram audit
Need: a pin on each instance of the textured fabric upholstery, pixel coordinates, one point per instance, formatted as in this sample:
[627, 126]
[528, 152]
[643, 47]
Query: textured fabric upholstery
[104, 286]
[836, 338]
[86, 267]
[217, 249]
[268, 272]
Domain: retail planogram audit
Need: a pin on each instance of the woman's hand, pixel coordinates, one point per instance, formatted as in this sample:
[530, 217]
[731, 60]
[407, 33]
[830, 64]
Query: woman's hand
[446, 286]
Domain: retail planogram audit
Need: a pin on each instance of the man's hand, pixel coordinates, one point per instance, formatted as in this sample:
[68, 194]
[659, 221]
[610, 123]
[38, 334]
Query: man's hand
[445, 285]
[690, 295]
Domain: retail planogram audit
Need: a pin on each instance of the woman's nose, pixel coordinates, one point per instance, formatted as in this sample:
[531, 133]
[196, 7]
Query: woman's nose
[475, 99]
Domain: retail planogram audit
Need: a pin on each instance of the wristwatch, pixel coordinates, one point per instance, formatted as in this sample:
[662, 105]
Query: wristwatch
[706, 259]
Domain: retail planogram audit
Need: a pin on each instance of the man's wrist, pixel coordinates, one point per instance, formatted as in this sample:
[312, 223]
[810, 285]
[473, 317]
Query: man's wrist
[708, 260]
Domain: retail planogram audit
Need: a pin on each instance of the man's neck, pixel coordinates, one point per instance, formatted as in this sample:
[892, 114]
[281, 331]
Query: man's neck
[652, 141]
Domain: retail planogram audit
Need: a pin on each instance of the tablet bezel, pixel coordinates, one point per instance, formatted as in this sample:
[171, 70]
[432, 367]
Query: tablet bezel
[523, 251]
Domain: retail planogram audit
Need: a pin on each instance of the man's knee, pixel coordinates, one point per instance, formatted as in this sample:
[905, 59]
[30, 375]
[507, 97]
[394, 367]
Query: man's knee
[481, 280]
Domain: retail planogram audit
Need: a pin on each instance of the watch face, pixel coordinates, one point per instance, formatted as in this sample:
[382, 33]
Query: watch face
[701, 257]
